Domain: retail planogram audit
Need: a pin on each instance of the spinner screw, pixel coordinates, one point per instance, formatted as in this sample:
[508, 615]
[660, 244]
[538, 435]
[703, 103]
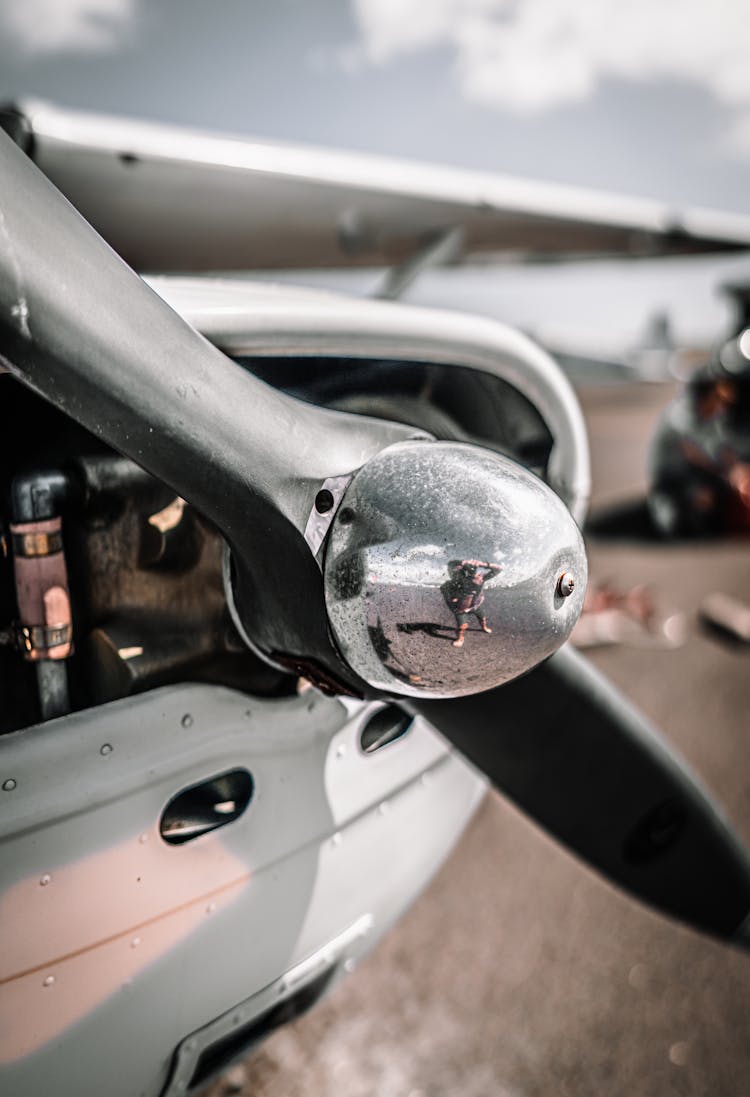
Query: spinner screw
[566, 584]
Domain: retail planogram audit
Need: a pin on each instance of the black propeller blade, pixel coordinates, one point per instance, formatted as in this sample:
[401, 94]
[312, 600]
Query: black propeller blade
[576, 757]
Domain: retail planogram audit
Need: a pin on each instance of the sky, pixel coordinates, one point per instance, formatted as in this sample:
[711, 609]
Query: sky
[648, 97]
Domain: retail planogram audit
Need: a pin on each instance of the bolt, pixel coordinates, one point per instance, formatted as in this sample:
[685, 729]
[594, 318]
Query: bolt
[49, 980]
[9, 785]
[566, 584]
[46, 879]
[324, 501]
[106, 748]
[187, 720]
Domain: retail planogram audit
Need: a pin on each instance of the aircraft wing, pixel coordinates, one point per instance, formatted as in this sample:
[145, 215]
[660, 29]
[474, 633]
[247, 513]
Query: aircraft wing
[169, 199]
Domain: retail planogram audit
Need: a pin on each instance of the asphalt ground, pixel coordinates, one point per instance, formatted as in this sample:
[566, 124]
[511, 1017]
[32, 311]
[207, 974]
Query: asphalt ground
[519, 973]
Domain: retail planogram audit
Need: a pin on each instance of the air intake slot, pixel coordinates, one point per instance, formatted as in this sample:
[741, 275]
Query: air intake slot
[217, 1056]
[384, 727]
[205, 807]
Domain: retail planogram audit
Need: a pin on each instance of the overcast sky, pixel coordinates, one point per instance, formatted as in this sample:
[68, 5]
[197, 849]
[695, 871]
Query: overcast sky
[650, 97]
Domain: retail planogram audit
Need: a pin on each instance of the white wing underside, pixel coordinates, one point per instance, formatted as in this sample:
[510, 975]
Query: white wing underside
[176, 200]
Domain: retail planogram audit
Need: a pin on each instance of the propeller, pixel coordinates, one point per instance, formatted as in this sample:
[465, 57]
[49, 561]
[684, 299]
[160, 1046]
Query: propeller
[565, 746]
[368, 557]
[85, 332]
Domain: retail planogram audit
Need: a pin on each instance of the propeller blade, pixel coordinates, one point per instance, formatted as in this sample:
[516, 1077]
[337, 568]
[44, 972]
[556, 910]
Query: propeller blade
[567, 748]
[79, 327]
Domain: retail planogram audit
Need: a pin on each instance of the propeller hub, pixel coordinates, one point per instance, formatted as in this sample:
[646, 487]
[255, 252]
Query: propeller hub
[450, 570]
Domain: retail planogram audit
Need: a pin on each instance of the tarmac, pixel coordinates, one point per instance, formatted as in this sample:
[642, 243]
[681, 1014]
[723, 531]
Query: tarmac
[519, 972]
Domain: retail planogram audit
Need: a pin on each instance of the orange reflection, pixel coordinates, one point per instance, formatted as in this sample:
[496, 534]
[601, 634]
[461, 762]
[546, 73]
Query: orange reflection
[75, 934]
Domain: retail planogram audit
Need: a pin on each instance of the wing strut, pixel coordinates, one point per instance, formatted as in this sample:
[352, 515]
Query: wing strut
[443, 248]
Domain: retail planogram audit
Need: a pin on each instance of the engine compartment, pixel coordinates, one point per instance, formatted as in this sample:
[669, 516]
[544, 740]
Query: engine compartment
[144, 568]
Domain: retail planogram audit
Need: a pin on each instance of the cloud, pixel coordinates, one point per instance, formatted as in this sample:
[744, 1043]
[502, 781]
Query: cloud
[36, 27]
[735, 141]
[528, 56]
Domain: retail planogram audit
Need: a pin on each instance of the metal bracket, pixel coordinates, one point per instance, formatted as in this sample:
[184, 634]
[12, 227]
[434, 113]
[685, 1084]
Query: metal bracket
[327, 501]
[46, 543]
[39, 641]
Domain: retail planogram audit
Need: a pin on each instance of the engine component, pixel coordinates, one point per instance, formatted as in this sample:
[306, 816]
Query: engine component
[45, 629]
